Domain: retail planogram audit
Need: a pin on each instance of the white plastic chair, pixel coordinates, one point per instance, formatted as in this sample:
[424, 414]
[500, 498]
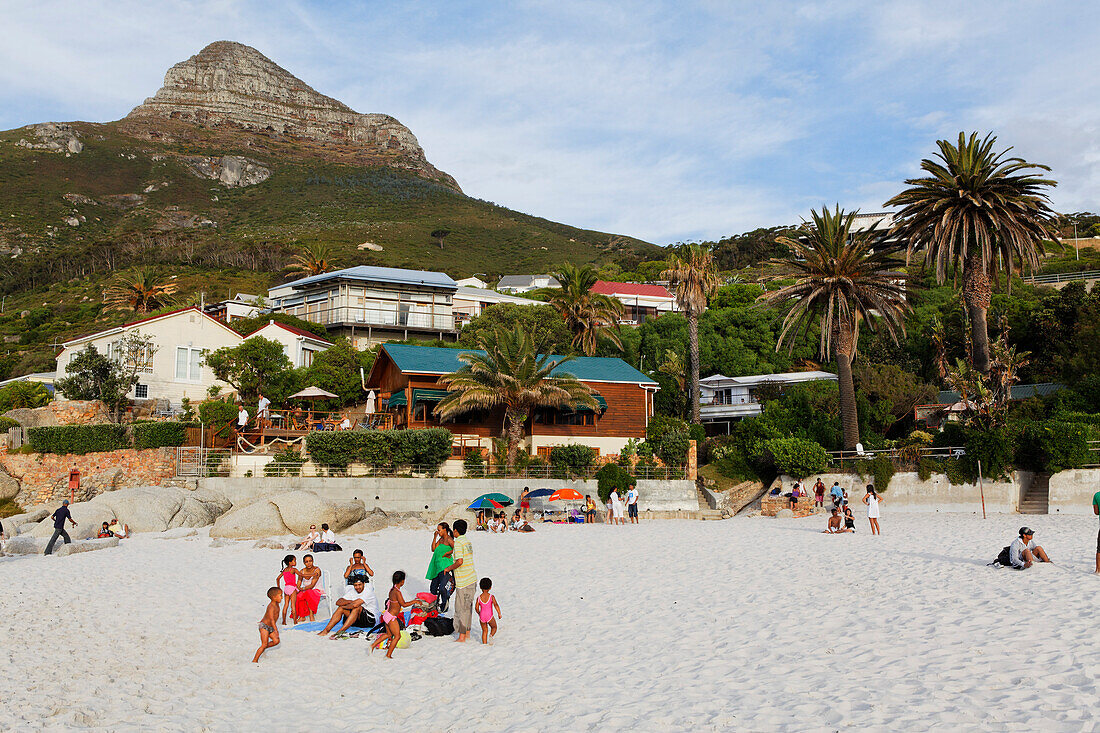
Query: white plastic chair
[325, 586]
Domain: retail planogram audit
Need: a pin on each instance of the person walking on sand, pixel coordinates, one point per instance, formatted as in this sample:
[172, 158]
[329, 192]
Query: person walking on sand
[1096, 511]
[524, 502]
[59, 517]
[486, 606]
[269, 631]
[872, 500]
[632, 503]
[465, 579]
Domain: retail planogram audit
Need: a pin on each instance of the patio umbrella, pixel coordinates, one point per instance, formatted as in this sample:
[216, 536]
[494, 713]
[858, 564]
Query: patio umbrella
[540, 493]
[501, 499]
[483, 502]
[312, 393]
[566, 495]
[370, 402]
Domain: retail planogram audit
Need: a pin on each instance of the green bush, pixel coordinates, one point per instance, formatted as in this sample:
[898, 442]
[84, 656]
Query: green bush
[335, 448]
[158, 434]
[8, 508]
[220, 414]
[796, 457]
[7, 423]
[78, 439]
[572, 460]
[427, 448]
[925, 468]
[660, 425]
[474, 463]
[994, 448]
[882, 469]
[23, 394]
[287, 463]
[611, 477]
[1053, 445]
[672, 448]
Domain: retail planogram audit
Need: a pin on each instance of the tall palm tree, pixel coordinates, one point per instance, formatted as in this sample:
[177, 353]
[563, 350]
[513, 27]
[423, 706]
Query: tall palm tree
[842, 277]
[589, 316]
[141, 292]
[510, 372]
[313, 259]
[694, 276]
[976, 213]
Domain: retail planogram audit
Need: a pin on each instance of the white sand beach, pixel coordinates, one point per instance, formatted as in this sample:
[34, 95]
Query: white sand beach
[748, 624]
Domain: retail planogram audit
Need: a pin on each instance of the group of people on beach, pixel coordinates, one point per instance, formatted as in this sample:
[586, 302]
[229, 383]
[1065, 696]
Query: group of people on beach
[841, 519]
[451, 573]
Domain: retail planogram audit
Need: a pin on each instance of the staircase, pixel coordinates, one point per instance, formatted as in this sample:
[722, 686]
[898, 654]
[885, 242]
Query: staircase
[705, 512]
[1037, 497]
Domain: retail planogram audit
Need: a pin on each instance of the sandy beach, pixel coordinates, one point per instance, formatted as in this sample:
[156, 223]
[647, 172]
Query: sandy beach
[747, 624]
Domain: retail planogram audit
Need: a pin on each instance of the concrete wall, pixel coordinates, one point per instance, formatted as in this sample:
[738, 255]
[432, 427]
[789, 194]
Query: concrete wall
[907, 493]
[1071, 492]
[418, 494]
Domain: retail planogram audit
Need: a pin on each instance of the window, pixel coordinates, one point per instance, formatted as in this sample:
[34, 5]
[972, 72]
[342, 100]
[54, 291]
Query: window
[141, 391]
[420, 412]
[544, 452]
[188, 364]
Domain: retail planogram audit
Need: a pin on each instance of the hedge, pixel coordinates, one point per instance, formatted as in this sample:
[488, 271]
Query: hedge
[572, 460]
[78, 439]
[796, 457]
[613, 476]
[1051, 446]
[158, 434]
[428, 448]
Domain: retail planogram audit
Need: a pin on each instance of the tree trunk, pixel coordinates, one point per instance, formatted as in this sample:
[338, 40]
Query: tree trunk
[513, 433]
[977, 294]
[693, 352]
[849, 418]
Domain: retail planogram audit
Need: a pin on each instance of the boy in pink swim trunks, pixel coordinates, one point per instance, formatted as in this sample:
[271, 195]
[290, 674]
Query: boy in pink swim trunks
[485, 606]
[269, 631]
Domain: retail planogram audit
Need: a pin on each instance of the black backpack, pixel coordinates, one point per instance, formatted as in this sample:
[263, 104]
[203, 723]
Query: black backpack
[1002, 558]
[439, 626]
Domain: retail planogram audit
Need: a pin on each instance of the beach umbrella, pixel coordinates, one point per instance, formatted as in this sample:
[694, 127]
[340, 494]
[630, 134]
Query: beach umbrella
[312, 393]
[540, 493]
[371, 401]
[501, 499]
[484, 503]
[566, 495]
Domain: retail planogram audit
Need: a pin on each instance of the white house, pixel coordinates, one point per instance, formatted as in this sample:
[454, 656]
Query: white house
[472, 282]
[470, 302]
[176, 368]
[526, 283]
[640, 300]
[724, 400]
[239, 307]
[298, 345]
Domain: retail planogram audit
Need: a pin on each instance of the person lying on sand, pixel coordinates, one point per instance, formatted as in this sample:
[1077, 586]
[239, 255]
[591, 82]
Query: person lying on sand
[356, 601]
[269, 632]
[835, 524]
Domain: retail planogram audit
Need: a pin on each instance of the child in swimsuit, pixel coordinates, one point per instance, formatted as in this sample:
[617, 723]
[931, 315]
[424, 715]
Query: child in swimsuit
[358, 568]
[269, 634]
[394, 604]
[287, 582]
[485, 606]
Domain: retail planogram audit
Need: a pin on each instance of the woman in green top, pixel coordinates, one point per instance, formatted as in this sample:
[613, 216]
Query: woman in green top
[443, 543]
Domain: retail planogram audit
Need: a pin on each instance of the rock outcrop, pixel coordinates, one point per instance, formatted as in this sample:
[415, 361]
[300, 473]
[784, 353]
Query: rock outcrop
[61, 412]
[56, 137]
[230, 84]
[231, 170]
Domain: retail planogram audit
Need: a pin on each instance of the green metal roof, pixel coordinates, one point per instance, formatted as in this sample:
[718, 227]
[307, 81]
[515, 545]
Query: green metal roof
[1019, 392]
[428, 395]
[438, 360]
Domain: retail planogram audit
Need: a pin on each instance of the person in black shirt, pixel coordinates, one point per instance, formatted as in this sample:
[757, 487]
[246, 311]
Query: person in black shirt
[59, 518]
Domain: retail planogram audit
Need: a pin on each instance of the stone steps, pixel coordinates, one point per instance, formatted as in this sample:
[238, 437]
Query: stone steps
[1037, 497]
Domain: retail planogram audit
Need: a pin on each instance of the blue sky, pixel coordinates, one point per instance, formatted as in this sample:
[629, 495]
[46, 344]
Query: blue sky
[664, 120]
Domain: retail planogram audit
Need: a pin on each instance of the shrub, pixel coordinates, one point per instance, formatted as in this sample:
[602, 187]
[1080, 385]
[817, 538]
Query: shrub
[796, 457]
[672, 448]
[924, 468]
[993, 447]
[23, 394]
[219, 413]
[572, 460]
[697, 433]
[659, 425]
[8, 508]
[474, 463]
[158, 434]
[287, 463]
[611, 477]
[78, 439]
[882, 470]
[1053, 445]
[334, 448]
[428, 448]
[7, 423]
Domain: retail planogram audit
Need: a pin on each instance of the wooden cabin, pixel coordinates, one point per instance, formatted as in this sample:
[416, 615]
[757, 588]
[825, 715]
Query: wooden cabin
[406, 378]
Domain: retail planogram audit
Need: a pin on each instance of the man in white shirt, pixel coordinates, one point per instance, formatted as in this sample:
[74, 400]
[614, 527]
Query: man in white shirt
[242, 418]
[1023, 551]
[327, 541]
[263, 408]
[345, 424]
[357, 607]
[632, 503]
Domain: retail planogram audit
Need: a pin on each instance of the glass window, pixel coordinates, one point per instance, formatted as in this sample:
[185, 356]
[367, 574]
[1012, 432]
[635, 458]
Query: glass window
[196, 365]
[181, 362]
[141, 391]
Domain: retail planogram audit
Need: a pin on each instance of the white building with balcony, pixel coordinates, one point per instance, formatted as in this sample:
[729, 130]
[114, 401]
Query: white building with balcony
[725, 400]
[640, 301]
[371, 305]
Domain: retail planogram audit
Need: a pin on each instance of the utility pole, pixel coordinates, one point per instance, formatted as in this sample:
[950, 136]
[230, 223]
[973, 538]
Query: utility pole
[1076, 246]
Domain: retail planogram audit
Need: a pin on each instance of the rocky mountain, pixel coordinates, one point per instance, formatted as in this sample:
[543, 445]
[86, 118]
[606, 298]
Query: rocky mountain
[229, 84]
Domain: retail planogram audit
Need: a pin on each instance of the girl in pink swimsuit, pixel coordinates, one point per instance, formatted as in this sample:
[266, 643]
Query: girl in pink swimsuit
[287, 582]
[394, 604]
[485, 606]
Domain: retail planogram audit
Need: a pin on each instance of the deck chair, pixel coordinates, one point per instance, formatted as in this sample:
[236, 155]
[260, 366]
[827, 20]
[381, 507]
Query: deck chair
[327, 599]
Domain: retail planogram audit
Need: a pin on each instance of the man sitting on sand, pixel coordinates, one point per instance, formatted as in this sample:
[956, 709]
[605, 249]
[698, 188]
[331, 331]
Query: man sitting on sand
[1023, 551]
[836, 524]
[357, 606]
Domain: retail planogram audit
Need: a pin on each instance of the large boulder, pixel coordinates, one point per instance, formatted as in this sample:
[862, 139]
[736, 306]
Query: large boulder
[159, 508]
[9, 487]
[85, 546]
[89, 517]
[25, 545]
[300, 509]
[250, 522]
[61, 412]
[33, 516]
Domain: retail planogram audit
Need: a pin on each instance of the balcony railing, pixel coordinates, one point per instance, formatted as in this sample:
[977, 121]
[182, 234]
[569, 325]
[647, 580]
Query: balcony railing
[392, 317]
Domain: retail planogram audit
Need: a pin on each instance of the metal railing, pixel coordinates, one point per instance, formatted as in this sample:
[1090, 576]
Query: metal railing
[1059, 277]
[897, 454]
[394, 317]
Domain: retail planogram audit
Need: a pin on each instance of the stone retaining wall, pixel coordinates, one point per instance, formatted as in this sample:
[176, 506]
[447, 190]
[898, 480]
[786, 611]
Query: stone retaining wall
[44, 477]
[771, 505]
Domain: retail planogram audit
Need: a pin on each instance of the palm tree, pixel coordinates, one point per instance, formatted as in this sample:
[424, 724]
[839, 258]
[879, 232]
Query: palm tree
[510, 372]
[976, 213]
[694, 275]
[588, 315]
[673, 366]
[842, 277]
[314, 259]
[141, 292]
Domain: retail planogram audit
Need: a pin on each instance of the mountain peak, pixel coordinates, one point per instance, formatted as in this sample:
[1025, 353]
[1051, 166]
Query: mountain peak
[229, 84]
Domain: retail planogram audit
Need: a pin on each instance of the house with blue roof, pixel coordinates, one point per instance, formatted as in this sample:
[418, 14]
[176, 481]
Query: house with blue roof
[405, 378]
[371, 305]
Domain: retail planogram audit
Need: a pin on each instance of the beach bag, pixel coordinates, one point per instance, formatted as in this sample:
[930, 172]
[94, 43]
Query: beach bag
[439, 626]
[1002, 558]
